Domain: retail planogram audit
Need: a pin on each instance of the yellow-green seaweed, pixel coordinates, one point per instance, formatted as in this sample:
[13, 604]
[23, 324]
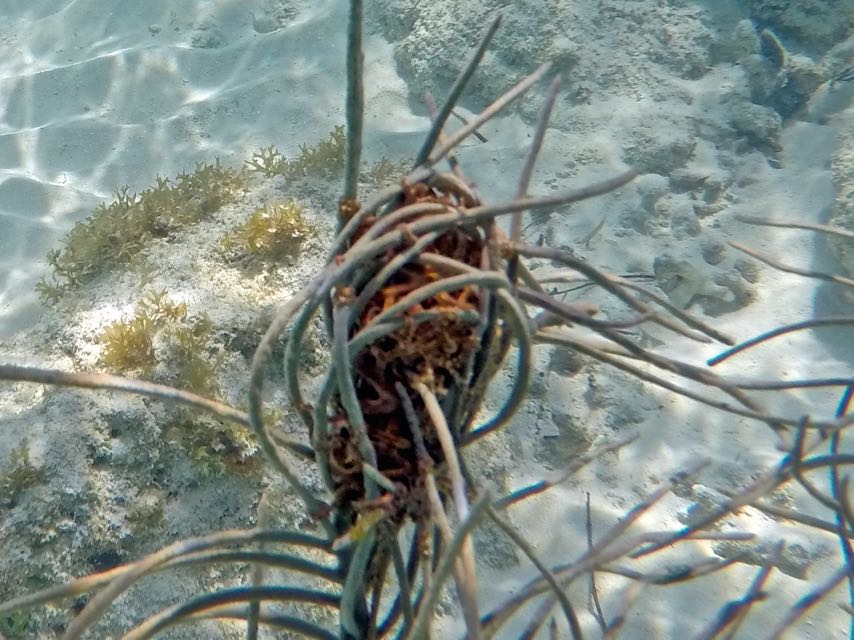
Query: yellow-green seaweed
[162, 331]
[130, 345]
[325, 159]
[214, 446]
[116, 233]
[20, 475]
[271, 231]
[384, 173]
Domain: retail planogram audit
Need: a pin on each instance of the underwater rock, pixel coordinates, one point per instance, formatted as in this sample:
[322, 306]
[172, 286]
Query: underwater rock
[683, 221]
[737, 44]
[666, 210]
[831, 97]
[795, 561]
[817, 24]
[431, 40]
[264, 22]
[658, 149]
[803, 77]
[393, 19]
[796, 558]
[717, 284]
[665, 215]
[739, 282]
[776, 78]
[708, 190]
[713, 251]
[566, 362]
[651, 187]
[761, 125]
[766, 68]
[566, 438]
[744, 40]
[272, 15]
[208, 35]
[763, 78]
[842, 210]
[707, 500]
[683, 280]
[494, 549]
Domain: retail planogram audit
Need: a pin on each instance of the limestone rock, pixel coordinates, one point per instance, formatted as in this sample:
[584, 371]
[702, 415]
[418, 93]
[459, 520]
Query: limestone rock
[842, 211]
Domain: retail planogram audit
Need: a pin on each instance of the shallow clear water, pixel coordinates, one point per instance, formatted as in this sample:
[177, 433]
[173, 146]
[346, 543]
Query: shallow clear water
[728, 108]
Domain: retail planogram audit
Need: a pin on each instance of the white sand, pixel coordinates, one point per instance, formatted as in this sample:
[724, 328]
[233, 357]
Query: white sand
[102, 93]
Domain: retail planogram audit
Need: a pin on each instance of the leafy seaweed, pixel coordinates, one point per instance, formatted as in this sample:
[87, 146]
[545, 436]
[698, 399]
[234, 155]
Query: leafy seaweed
[128, 346]
[163, 332]
[271, 231]
[268, 161]
[325, 159]
[116, 233]
[185, 341]
[20, 475]
[384, 172]
[214, 446]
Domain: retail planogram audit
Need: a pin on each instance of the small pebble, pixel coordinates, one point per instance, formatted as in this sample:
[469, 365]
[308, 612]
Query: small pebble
[264, 23]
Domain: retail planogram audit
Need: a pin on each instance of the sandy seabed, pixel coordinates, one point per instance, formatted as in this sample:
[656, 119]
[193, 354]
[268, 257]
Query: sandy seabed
[95, 94]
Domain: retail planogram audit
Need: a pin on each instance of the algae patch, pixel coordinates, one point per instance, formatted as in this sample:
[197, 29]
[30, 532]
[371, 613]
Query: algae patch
[162, 331]
[325, 159]
[116, 233]
[272, 231]
[164, 340]
[20, 475]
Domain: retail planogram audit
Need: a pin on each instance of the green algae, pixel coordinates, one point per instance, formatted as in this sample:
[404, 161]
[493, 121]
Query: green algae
[325, 159]
[20, 475]
[117, 233]
[272, 231]
[184, 340]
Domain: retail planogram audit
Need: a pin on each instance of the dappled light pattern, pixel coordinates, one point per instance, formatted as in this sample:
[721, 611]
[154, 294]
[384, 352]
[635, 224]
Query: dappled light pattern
[93, 99]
